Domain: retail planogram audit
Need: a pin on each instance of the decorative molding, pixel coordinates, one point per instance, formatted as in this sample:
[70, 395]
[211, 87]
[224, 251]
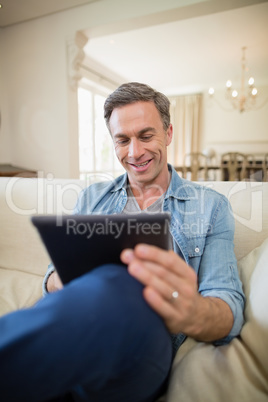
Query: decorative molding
[98, 78]
[239, 142]
[75, 56]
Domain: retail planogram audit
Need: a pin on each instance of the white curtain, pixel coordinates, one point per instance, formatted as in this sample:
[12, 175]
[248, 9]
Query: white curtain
[185, 114]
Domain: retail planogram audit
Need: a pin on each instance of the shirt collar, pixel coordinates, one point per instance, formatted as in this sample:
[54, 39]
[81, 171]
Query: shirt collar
[178, 187]
[120, 183]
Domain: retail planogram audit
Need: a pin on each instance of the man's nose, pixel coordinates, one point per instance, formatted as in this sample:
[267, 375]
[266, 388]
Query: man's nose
[135, 149]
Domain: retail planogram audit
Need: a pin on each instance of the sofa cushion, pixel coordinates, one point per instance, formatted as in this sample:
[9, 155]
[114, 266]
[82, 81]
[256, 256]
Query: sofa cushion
[203, 372]
[249, 205]
[20, 246]
[18, 290]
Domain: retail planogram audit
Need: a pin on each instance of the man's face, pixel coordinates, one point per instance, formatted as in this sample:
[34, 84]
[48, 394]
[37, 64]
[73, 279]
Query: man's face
[141, 142]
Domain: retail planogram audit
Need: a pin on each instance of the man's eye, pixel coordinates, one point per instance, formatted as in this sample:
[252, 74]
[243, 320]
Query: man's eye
[146, 138]
[122, 142]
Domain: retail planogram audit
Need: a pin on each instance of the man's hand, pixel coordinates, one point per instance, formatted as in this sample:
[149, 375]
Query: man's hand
[163, 272]
[54, 283]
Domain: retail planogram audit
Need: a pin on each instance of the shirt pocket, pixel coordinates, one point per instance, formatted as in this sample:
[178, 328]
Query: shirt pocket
[195, 246]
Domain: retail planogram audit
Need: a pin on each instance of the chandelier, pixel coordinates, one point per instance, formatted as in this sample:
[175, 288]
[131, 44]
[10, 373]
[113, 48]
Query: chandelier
[244, 98]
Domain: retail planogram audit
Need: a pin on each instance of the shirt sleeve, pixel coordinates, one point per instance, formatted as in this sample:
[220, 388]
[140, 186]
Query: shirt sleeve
[50, 271]
[218, 273]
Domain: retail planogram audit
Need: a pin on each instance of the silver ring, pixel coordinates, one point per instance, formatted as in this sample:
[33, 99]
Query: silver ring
[174, 295]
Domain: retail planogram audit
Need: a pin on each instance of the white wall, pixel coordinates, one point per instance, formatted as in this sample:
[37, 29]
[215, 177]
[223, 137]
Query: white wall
[38, 107]
[226, 131]
[4, 133]
[35, 95]
[39, 129]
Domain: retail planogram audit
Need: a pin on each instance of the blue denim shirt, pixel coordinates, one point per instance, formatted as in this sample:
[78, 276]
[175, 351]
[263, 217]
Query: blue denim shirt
[202, 228]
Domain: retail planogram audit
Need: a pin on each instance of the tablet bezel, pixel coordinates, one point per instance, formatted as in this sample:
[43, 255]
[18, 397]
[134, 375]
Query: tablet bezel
[69, 238]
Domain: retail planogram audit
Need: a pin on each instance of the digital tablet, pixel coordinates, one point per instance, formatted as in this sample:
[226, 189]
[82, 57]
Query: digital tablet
[79, 243]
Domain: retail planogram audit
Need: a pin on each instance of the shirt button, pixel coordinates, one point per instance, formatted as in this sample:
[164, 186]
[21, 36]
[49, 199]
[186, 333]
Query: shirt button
[197, 250]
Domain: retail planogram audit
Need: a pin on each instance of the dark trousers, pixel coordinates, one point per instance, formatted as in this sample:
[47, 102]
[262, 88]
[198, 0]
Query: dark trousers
[95, 340]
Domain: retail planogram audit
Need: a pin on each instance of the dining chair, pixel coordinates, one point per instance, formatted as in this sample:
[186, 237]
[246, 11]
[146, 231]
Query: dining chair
[195, 166]
[233, 166]
[265, 168]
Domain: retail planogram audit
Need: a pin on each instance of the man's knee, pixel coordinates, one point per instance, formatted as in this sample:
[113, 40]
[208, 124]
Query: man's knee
[133, 328]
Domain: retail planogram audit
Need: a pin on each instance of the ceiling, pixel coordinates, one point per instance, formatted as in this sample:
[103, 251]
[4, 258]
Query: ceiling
[192, 54]
[181, 56]
[15, 11]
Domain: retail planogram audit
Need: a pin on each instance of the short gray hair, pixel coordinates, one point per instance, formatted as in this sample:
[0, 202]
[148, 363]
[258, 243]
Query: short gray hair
[133, 92]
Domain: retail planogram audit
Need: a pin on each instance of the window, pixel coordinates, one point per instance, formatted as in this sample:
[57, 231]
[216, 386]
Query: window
[97, 159]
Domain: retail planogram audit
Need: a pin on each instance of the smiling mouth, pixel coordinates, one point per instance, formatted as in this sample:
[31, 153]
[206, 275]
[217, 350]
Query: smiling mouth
[141, 164]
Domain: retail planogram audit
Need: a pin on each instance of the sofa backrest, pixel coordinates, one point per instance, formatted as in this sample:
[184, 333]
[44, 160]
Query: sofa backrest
[20, 198]
[249, 202]
[20, 245]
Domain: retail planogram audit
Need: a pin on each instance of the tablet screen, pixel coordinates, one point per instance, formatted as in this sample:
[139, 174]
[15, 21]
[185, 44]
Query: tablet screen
[78, 243]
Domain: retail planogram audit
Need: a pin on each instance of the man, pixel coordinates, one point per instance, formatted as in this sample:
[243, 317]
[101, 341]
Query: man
[194, 289]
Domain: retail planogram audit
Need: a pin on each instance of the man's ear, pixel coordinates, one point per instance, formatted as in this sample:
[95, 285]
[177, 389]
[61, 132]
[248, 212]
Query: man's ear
[169, 134]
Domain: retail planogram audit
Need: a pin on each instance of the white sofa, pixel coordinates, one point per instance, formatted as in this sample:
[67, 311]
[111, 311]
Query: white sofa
[201, 372]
